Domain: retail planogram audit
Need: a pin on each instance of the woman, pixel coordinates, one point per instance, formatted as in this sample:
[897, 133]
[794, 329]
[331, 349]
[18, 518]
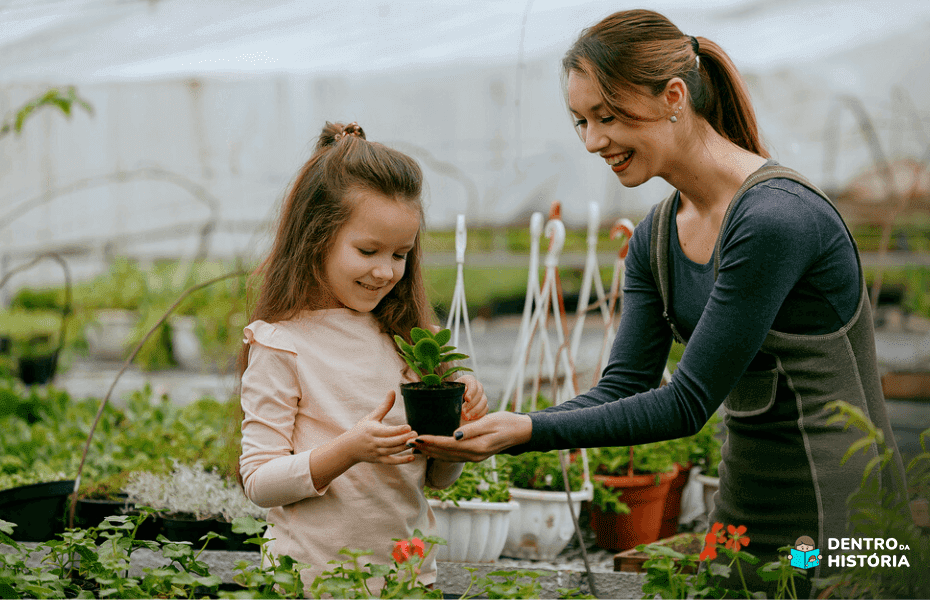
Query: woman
[746, 263]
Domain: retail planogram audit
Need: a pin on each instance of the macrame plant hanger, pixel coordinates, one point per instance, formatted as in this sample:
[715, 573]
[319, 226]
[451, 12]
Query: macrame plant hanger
[553, 360]
[458, 310]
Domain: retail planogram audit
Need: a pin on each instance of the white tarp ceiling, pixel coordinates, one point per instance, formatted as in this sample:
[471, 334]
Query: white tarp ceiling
[92, 40]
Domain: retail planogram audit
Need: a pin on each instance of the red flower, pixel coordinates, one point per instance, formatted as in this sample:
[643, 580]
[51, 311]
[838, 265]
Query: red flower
[737, 539]
[401, 551]
[417, 546]
[710, 542]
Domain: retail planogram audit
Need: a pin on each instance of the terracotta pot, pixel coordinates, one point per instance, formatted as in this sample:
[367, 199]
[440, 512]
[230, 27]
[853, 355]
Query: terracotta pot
[673, 502]
[433, 410]
[646, 502]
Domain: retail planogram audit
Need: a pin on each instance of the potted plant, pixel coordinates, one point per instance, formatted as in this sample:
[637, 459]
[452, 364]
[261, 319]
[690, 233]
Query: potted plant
[433, 405]
[709, 461]
[542, 526]
[37, 359]
[36, 500]
[193, 501]
[473, 514]
[113, 299]
[630, 489]
[693, 452]
[632, 559]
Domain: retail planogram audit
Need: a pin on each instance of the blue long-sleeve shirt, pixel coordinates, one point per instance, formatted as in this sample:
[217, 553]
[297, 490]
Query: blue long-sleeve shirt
[786, 263]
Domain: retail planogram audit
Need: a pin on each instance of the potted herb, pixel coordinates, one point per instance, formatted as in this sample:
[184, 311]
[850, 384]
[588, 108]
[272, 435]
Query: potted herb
[37, 359]
[473, 514]
[542, 526]
[630, 489]
[433, 405]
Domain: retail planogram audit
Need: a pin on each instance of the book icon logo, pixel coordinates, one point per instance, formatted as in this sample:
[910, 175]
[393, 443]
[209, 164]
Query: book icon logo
[804, 555]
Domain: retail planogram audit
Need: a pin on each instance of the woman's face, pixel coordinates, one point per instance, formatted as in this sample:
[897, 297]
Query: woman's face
[635, 150]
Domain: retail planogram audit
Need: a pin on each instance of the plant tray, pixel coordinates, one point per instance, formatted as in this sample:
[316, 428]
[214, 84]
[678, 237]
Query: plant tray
[632, 560]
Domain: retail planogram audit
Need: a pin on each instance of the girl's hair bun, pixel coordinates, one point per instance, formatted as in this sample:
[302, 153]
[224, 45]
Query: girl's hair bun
[333, 132]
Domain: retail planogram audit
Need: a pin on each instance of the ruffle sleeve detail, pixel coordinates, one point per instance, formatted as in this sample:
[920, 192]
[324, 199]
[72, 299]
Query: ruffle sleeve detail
[267, 334]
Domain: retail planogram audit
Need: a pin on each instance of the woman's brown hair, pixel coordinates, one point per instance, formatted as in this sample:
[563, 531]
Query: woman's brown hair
[641, 49]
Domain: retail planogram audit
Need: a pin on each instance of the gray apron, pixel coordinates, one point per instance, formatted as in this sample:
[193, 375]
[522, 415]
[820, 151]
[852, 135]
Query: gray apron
[781, 475]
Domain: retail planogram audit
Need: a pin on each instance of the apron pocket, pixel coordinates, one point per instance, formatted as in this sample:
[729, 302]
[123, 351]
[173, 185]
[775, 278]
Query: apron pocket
[753, 395]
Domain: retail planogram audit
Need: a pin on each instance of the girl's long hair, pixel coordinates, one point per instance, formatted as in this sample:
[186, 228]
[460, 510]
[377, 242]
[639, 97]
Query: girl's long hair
[316, 207]
[641, 49]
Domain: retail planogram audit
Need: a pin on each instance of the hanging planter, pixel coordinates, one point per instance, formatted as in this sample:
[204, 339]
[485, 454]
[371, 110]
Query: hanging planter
[710, 485]
[110, 334]
[475, 530]
[186, 347]
[543, 526]
[38, 510]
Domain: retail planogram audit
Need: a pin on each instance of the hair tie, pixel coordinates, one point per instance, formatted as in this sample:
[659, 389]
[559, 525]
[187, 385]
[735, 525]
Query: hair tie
[352, 128]
[694, 45]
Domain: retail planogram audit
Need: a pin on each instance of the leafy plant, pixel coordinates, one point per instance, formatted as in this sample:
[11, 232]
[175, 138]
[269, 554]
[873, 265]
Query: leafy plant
[62, 100]
[428, 353]
[541, 471]
[191, 490]
[877, 511]
[475, 482]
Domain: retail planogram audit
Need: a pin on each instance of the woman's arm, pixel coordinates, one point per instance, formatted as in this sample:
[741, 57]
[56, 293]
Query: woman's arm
[767, 248]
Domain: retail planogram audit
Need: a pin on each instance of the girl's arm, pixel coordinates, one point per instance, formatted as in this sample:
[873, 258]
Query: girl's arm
[441, 474]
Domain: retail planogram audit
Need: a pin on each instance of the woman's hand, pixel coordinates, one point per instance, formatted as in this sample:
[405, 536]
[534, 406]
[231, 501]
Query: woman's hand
[475, 405]
[374, 442]
[479, 439]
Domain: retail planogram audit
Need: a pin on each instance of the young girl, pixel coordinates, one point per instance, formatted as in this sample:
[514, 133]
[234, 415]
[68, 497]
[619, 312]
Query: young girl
[324, 445]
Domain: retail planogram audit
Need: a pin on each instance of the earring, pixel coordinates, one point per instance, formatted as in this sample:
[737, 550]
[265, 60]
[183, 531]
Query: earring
[674, 118]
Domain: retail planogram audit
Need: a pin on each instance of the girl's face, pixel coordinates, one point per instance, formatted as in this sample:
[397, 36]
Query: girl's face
[634, 150]
[369, 253]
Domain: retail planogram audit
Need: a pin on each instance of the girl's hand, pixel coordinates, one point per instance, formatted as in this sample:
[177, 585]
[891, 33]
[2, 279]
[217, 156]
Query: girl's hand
[480, 439]
[475, 403]
[374, 442]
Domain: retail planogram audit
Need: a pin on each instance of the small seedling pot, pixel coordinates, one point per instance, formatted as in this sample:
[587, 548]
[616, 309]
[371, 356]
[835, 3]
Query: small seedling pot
[433, 410]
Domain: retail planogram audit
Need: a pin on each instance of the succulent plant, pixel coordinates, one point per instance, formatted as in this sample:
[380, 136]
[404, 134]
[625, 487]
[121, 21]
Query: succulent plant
[428, 352]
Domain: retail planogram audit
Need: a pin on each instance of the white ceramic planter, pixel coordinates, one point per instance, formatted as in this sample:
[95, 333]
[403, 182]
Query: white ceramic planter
[475, 530]
[542, 527]
[109, 335]
[710, 485]
[185, 345]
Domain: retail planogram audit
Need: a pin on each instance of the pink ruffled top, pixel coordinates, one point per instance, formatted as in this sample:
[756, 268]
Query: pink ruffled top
[308, 380]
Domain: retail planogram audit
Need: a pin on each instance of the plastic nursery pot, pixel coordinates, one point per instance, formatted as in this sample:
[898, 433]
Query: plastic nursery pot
[433, 410]
[38, 370]
[646, 502]
[38, 510]
[91, 512]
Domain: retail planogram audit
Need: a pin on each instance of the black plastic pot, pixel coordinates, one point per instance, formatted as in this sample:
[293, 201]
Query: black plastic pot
[90, 512]
[38, 370]
[433, 410]
[39, 510]
[179, 529]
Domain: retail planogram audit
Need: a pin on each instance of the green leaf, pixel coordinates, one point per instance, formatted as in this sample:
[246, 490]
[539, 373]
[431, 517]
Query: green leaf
[453, 357]
[403, 345]
[454, 370]
[442, 337]
[427, 352]
[860, 444]
[417, 334]
[413, 365]
[431, 379]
